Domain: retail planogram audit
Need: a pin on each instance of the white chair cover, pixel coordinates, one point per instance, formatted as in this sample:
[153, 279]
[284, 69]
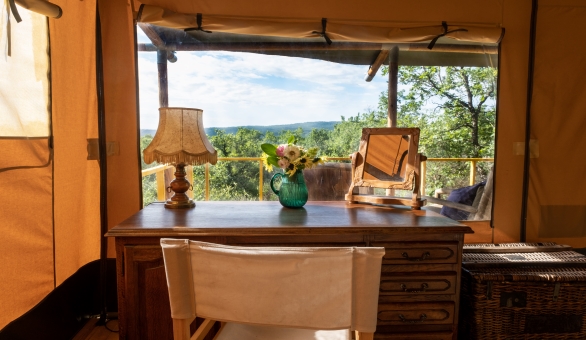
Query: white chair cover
[311, 288]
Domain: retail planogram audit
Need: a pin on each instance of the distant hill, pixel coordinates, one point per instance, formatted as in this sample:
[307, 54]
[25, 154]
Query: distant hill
[307, 127]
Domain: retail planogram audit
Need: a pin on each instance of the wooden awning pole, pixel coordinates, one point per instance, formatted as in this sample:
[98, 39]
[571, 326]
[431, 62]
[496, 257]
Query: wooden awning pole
[393, 85]
[163, 83]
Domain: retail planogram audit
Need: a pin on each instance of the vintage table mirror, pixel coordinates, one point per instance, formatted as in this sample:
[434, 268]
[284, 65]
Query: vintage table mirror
[387, 158]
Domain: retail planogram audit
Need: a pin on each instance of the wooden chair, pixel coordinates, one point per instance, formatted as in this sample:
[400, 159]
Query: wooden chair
[328, 182]
[284, 293]
[481, 207]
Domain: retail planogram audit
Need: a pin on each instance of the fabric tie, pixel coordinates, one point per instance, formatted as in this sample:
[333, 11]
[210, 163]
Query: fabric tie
[445, 26]
[199, 23]
[14, 10]
[324, 23]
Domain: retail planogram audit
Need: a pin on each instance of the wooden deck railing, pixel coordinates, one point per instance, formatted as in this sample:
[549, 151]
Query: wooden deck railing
[159, 171]
[473, 167]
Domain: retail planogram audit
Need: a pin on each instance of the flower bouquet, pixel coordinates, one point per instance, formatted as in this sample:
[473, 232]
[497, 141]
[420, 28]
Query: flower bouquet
[290, 157]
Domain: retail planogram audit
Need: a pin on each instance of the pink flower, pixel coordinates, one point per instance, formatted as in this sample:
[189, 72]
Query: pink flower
[283, 163]
[281, 150]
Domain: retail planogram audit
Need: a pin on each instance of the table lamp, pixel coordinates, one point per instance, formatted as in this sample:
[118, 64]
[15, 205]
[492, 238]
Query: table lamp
[180, 140]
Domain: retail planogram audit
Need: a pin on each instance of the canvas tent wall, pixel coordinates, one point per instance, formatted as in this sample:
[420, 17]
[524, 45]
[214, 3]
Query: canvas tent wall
[556, 203]
[58, 229]
[50, 213]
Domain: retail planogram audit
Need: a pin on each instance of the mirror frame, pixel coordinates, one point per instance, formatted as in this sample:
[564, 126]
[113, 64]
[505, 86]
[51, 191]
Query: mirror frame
[411, 179]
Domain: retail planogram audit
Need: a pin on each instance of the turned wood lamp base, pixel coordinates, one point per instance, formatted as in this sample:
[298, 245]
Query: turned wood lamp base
[179, 186]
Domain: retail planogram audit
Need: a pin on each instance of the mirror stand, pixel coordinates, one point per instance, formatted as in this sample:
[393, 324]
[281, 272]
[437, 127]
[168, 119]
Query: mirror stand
[387, 159]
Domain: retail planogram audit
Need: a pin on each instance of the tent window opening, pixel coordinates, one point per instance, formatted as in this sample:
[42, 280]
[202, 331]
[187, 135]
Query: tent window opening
[25, 88]
[263, 89]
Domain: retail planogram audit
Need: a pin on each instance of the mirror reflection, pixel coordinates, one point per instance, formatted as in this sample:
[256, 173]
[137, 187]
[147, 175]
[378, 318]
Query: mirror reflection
[386, 158]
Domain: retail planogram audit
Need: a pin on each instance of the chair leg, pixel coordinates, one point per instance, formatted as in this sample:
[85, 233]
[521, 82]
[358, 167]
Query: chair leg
[181, 329]
[364, 336]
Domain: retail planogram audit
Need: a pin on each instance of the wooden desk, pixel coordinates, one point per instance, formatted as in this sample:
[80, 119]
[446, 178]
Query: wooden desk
[420, 280]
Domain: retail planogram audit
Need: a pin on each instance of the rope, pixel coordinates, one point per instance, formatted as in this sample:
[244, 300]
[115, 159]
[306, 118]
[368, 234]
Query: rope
[199, 19]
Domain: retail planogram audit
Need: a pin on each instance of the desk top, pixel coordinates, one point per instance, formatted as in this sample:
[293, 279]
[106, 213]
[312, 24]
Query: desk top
[270, 218]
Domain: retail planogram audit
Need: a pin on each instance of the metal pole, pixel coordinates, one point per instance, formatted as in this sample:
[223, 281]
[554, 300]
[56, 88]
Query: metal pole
[393, 83]
[163, 83]
[526, 159]
[103, 166]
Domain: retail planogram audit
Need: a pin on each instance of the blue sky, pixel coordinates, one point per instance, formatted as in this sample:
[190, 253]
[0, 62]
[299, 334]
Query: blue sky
[238, 89]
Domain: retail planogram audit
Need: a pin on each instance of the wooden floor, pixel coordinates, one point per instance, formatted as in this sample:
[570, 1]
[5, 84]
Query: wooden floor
[92, 331]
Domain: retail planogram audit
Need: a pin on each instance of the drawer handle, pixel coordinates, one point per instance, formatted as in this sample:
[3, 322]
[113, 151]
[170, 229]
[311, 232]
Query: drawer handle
[422, 318]
[423, 288]
[421, 258]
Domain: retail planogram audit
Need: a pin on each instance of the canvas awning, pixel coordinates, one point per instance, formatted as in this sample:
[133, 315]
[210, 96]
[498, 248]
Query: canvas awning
[334, 29]
[324, 38]
[446, 52]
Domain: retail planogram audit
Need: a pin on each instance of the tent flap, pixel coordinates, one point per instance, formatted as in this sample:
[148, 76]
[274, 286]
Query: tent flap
[25, 166]
[556, 208]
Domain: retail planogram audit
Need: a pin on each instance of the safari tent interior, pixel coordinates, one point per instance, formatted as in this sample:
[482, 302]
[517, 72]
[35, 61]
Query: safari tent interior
[69, 76]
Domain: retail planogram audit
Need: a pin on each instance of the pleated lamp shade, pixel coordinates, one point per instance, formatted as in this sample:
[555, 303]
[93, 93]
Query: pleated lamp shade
[180, 138]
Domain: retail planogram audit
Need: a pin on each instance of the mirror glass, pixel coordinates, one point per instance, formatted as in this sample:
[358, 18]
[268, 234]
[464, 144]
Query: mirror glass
[386, 158]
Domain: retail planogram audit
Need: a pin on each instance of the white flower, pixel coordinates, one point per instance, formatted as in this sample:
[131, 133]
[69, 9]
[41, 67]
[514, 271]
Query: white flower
[292, 152]
[283, 163]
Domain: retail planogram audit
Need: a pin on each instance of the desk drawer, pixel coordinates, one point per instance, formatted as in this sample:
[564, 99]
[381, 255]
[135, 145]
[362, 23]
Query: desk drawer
[417, 253]
[416, 313]
[417, 284]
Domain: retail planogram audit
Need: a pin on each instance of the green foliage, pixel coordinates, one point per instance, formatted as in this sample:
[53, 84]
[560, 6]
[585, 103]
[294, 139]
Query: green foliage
[144, 142]
[149, 189]
[453, 106]
[455, 110]
[149, 183]
[269, 149]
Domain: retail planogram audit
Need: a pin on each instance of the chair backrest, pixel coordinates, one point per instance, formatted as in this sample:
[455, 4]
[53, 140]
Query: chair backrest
[485, 202]
[313, 288]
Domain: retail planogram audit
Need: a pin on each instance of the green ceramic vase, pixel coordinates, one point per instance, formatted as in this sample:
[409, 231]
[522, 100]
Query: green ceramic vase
[293, 191]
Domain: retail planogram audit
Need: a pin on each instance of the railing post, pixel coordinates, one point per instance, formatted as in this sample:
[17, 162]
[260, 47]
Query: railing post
[423, 174]
[260, 179]
[207, 181]
[189, 170]
[161, 190]
[472, 172]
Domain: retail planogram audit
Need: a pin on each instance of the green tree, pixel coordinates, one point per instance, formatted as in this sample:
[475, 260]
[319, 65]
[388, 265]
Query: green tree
[455, 109]
[144, 142]
[459, 104]
[453, 106]
[345, 137]
[149, 183]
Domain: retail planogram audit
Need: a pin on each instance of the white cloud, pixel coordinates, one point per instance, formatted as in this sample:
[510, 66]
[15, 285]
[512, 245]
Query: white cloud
[253, 89]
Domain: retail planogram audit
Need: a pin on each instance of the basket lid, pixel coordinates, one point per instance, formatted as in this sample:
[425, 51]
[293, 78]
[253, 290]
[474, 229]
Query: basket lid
[536, 258]
[514, 247]
[528, 273]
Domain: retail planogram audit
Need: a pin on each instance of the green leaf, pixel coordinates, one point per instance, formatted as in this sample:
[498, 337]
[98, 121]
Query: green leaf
[273, 160]
[291, 139]
[269, 149]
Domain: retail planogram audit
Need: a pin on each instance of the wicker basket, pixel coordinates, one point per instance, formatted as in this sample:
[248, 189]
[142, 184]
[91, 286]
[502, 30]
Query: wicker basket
[514, 247]
[523, 296]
